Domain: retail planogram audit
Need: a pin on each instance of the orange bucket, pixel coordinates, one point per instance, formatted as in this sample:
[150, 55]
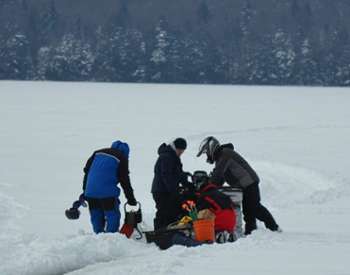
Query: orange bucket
[204, 230]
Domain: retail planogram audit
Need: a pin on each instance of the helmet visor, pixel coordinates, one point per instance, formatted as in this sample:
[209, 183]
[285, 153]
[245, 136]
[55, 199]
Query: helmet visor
[203, 147]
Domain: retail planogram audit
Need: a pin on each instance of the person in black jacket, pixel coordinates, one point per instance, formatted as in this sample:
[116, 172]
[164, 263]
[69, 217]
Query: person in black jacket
[168, 175]
[232, 168]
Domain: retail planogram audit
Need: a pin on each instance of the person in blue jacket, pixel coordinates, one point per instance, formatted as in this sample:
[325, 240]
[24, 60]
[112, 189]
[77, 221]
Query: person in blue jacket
[103, 171]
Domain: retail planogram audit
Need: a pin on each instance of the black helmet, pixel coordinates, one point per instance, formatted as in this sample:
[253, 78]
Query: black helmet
[72, 213]
[208, 146]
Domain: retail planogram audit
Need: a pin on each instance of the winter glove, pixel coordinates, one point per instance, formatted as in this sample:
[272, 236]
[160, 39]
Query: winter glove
[82, 200]
[184, 177]
[132, 202]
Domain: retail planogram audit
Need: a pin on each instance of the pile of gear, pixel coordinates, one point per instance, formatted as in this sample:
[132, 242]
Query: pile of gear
[185, 231]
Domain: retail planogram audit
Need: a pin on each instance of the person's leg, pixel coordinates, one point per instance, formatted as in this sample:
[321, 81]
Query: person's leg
[164, 212]
[264, 215]
[112, 214]
[97, 217]
[258, 210]
[249, 205]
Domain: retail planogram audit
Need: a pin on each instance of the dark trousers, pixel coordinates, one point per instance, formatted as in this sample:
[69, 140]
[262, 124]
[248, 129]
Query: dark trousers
[168, 209]
[104, 214]
[253, 209]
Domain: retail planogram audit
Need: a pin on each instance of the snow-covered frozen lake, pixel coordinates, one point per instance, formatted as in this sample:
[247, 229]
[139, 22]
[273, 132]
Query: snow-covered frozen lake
[296, 138]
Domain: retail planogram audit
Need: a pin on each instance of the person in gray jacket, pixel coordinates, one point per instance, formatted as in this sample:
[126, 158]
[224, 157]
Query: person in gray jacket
[232, 168]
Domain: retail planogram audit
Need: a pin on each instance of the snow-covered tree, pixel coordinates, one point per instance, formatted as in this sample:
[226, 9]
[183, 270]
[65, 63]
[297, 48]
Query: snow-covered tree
[342, 73]
[43, 63]
[71, 60]
[15, 58]
[306, 71]
[283, 60]
[195, 60]
[120, 55]
[159, 55]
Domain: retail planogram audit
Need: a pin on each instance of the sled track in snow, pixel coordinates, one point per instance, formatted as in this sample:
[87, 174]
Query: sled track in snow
[268, 129]
[284, 185]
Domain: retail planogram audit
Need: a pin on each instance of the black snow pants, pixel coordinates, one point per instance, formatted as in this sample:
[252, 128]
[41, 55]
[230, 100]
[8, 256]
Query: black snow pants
[253, 209]
[168, 209]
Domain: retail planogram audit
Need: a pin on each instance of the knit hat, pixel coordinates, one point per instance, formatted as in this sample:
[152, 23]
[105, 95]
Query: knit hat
[122, 147]
[180, 143]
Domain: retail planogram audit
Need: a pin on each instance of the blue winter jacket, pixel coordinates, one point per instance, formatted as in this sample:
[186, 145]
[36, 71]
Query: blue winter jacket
[105, 169]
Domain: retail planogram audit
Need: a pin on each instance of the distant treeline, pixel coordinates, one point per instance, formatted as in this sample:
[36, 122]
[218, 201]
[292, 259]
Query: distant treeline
[294, 44]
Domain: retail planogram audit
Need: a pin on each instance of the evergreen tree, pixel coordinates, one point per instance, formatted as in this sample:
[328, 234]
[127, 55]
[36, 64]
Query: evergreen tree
[196, 64]
[71, 60]
[120, 56]
[159, 56]
[44, 55]
[283, 59]
[15, 58]
[306, 71]
[261, 63]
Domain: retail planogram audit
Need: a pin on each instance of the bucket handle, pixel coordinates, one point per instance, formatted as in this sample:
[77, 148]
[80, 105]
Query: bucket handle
[138, 204]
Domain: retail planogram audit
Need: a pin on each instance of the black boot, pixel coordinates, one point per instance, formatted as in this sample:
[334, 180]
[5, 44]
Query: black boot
[249, 228]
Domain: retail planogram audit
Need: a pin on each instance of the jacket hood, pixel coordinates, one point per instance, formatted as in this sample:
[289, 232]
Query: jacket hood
[228, 145]
[219, 150]
[122, 147]
[165, 148]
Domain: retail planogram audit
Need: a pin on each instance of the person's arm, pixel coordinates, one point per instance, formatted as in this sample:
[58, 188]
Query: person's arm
[125, 181]
[86, 170]
[217, 176]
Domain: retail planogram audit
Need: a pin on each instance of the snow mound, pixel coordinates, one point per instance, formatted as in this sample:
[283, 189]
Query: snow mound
[284, 185]
[10, 234]
[68, 254]
[10, 210]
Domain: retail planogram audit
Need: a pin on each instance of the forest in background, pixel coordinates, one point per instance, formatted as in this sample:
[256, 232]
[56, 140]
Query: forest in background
[254, 42]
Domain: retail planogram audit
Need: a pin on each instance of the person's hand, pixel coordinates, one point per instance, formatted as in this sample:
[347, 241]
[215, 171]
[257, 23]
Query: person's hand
[187, 175]
[82, 200]
[132, 202]
[184, 177]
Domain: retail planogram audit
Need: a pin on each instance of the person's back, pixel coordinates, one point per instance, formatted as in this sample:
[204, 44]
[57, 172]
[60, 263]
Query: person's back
[103, 174]
[103, 171]
[231, 167]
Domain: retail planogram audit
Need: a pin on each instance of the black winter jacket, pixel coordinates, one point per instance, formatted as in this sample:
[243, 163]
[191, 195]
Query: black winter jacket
[168, 173]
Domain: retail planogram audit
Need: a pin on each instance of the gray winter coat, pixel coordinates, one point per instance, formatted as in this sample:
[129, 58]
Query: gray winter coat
[232, 168]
